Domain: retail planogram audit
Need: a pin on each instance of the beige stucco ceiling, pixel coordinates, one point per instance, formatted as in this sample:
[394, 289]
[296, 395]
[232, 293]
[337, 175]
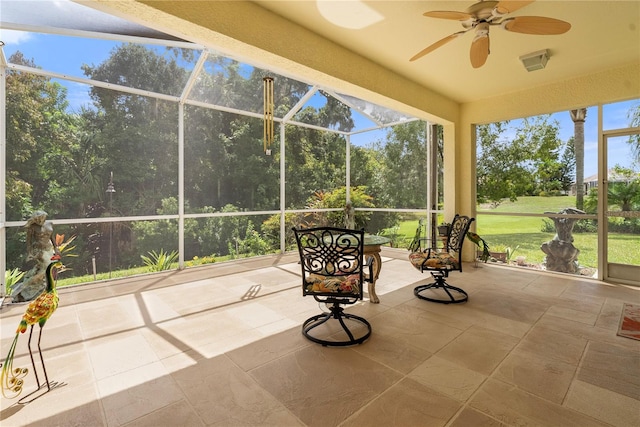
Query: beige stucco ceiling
[604, 35]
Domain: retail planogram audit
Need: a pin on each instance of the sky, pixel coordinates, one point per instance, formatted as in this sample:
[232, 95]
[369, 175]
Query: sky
[59, 54]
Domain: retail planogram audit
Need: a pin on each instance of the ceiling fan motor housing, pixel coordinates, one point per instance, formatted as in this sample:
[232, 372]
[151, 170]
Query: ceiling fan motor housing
[482, 29]
[482, 10]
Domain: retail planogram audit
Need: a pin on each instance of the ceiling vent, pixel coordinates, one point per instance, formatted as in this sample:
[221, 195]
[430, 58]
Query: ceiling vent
[536, 60]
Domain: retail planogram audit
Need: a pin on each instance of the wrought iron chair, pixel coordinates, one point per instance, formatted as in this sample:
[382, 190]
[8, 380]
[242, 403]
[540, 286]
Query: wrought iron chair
[439, 262]
[334, 272]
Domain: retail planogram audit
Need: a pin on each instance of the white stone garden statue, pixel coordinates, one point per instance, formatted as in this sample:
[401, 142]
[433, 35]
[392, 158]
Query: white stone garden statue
[40, 249]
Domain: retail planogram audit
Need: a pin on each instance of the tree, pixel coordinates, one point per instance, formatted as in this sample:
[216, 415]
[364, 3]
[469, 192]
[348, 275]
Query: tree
[567, 167]
[534, 161]
[315, 159]
[138, 133]
[62, 162]
[539, 146]
[36, 127]
[405, 176]
[556, 175]
[578, 116]
[634, 116]
[224, 150]
[625, 191]
[500, 170]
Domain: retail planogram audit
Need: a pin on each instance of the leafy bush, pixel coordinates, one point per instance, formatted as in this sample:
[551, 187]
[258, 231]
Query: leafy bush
[11, 277]
[586, 226]
[321, 200]
[581, 226]
[159, 261]
[624, 225]
[253, 244]
[200, 261]
[271, 230]
[212, 235]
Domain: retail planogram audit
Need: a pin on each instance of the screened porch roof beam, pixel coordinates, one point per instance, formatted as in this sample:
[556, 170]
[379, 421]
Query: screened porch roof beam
[98, 35]
[306, 97]
[98, 83]
[350, 105]
[194, 76]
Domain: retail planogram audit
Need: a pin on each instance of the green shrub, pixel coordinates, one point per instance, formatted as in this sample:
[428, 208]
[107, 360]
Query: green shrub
[159, 261]
[11, 277]
[200, 261]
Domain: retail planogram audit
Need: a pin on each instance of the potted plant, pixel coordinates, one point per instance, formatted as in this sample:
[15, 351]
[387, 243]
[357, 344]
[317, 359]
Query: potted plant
[482, 244]
[499, 253]
[443, 229]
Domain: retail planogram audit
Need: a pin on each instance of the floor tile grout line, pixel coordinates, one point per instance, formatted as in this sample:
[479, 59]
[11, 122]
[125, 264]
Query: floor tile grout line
[466, 403]
[574, 378]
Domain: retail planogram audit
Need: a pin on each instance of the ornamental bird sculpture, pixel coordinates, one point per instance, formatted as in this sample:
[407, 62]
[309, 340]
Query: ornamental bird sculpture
[479, 240]
[39, 311]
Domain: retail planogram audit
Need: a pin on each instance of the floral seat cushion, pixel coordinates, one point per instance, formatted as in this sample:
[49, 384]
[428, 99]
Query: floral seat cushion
[439, 260]
[348, 284]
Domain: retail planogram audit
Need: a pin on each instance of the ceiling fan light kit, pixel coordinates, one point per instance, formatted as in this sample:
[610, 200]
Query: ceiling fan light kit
[535, 60]
[484, 14]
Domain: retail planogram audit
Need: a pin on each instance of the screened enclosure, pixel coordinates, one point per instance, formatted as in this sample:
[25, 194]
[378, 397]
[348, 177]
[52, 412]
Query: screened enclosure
[541, 193]
[147, 153]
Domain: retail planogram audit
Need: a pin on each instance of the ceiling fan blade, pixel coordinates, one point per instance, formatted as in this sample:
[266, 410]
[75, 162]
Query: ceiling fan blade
[436, 45]
[537, 25]
[446, 14]
[511, 6]
[479, 51]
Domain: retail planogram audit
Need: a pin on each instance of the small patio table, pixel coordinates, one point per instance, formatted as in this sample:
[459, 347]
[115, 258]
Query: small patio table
[372, 248]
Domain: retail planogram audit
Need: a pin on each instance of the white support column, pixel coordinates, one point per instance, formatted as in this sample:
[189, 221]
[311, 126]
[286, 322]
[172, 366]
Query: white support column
[603, 178]
[431, 144]
[348, 169]
[282, 189]
[450, 175]
[3, 170]
[181, 185]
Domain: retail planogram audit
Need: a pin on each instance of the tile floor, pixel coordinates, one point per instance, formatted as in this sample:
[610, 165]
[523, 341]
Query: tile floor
[222, 346]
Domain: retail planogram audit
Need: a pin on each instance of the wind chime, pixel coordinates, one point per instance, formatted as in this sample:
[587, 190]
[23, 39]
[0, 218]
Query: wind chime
[268, 114]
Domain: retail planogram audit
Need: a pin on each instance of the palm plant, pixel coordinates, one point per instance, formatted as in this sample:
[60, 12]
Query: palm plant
[159, 261]
[11, 277]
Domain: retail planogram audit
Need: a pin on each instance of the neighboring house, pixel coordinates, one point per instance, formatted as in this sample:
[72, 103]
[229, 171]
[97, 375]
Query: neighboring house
[591, 182]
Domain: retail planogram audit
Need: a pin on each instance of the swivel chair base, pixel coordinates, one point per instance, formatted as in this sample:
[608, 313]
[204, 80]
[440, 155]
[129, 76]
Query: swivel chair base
[453, 295]
[337, 313]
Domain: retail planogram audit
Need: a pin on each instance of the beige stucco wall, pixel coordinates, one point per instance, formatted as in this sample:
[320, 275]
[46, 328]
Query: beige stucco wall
[617, 84]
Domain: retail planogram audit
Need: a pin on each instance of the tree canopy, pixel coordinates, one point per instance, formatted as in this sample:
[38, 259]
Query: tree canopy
[532, 161]
[62, 161]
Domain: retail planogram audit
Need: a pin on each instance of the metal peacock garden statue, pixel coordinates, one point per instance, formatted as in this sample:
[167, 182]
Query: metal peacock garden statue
[38, 312]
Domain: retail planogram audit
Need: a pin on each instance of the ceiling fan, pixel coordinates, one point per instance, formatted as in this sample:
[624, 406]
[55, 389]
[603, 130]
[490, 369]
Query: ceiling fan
[484, 14]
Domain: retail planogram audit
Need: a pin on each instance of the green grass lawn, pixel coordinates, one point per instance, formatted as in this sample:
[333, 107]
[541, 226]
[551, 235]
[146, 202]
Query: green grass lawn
[134, 271]
[522, 233]
[531, 204]
[525, 233]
